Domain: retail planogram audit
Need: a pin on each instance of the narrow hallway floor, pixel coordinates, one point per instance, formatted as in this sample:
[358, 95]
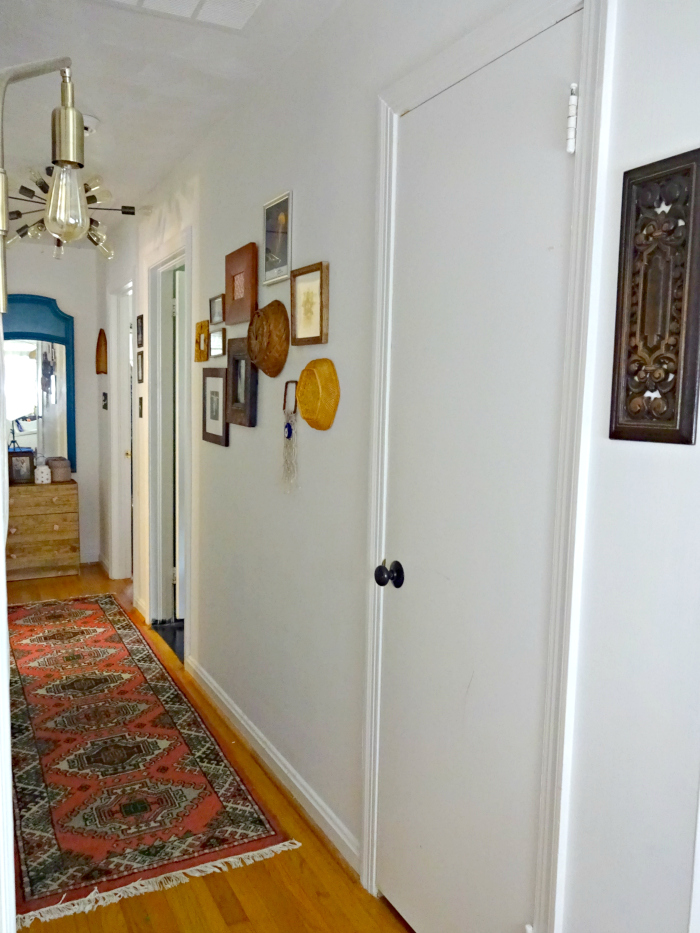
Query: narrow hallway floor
[308, 890]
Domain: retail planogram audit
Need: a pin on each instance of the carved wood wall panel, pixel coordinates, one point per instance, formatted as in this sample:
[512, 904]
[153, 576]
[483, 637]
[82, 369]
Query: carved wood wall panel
[657, 336]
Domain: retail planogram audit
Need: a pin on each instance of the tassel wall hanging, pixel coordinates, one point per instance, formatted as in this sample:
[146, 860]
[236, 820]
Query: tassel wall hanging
[289, 443]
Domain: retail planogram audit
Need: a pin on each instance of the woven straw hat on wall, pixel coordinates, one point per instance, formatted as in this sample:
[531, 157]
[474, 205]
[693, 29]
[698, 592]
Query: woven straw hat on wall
[318, 394]
[268, 338]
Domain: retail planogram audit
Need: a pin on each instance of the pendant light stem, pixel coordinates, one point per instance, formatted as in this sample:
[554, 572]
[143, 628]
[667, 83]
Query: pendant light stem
[11, 76]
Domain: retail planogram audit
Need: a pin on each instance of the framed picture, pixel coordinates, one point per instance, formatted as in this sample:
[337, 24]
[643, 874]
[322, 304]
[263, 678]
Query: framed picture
[241, 297]
[217, 342]
[310, 304]
[242, 386]
[139, 330]
[21, 467]
[214, 424]
[139, 366]
[278, 239]
[216, 309]
[201, 342]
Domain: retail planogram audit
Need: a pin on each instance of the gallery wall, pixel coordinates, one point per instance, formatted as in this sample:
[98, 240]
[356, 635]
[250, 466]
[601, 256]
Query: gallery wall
[77, 285]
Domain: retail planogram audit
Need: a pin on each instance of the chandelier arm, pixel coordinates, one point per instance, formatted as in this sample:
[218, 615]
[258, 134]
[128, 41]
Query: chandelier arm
[14, 197]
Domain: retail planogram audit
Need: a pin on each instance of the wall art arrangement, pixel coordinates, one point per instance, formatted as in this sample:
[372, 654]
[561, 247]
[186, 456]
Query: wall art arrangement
[657, 336]
[217, 342]
[214, 423]
[139, 330]
[139, 366]
[101, 353]
[242, 388]
[277, 234]
[201, 342]
[318, 394]
[241, 296]
[268, 338]
[310, 304]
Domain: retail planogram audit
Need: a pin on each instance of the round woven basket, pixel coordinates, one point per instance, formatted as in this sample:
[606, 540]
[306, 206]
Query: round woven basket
[318, 394]
[268, 338]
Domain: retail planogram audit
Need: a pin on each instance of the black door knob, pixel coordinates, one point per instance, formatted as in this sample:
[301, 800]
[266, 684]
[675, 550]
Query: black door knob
[383, 574]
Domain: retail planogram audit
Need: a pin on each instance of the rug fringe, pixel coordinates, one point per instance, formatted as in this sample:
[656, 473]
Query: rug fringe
[159, 883]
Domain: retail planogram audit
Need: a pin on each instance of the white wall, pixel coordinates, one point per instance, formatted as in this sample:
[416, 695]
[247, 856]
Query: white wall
[637, 745]
[73, 282]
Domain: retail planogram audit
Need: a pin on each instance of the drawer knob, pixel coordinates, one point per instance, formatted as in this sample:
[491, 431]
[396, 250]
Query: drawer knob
[12, 531]
[55, 527]
[13, 556]
[54, 499]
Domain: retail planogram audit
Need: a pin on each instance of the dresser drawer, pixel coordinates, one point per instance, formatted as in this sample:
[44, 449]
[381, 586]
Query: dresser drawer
[43, 527]
[42, 500]
[43, 554]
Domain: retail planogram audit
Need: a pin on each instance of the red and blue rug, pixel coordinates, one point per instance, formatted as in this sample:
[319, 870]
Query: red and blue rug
[119, 786]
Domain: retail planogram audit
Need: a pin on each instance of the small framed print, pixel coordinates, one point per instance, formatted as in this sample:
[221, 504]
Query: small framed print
[217, 342]
[21, 467]
[242, 385]
[216, 309]
[310, 304]
[201, 342]
[139, 366]
[139, 330]
[278, 239]
[241, 298]
[214, 424]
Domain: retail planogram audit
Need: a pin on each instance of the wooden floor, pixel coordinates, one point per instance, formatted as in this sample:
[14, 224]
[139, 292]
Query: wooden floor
[308, 889]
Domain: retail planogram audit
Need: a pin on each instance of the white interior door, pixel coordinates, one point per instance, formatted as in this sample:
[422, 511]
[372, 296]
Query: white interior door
[483, 216]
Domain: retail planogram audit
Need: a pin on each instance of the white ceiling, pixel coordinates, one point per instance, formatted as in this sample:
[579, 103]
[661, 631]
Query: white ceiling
[155, 82]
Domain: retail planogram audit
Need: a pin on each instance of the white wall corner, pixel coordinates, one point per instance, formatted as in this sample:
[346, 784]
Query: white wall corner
[314, 806]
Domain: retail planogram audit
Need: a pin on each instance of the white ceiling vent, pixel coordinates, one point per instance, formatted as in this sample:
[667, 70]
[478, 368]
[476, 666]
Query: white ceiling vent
[231, 14]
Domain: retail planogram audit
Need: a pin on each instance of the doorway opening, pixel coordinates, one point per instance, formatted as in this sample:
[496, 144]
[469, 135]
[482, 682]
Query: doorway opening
[167, 403]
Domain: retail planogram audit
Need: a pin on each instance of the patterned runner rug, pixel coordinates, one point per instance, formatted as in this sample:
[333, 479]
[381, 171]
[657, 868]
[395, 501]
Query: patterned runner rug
[119, 786]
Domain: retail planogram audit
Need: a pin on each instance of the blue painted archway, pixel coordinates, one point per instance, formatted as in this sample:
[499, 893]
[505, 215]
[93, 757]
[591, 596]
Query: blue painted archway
[35, 317]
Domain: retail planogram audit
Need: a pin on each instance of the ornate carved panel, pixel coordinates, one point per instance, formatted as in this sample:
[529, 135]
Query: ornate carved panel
[655, 379]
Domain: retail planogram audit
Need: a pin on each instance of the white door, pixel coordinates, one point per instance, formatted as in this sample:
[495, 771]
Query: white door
[483, 216]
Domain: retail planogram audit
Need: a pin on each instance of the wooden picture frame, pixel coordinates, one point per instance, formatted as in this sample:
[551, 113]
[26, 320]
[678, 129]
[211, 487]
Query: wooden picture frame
[242, 385]
[139, 366]
[214, 406]
[217, 342]
[657, 332]
[20, 467]
[277, 239]
[309, 317]
[139, 330]
[241, 298]
[216, 309]
[201, 342]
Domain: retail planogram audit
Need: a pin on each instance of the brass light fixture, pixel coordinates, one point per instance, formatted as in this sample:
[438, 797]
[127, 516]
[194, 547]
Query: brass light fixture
[67, 201]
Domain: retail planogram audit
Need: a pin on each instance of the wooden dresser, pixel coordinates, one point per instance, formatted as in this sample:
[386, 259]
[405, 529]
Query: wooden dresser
[43, 539]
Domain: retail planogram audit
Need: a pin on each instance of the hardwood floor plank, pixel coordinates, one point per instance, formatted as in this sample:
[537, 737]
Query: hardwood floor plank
[307, 890]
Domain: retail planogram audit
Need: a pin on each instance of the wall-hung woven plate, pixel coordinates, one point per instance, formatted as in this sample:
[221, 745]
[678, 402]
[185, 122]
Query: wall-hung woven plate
[318, 394]
[268, 338]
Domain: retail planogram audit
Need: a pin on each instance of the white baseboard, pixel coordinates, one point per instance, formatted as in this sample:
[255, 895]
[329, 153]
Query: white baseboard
[140, 605]
[104, 563]
[317, 809]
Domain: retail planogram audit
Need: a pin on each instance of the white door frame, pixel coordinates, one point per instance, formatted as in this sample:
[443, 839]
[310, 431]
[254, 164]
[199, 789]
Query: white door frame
[182, 256]
[500, 35]
[121, 305]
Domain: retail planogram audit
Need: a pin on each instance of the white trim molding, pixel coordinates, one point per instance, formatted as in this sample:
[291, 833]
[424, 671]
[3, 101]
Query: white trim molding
[316, 808]
[500, 35]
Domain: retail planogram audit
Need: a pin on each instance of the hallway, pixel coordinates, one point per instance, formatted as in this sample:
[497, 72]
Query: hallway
[308, 889]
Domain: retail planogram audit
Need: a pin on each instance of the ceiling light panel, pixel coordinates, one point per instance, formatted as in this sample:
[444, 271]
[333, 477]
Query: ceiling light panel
[229, 14]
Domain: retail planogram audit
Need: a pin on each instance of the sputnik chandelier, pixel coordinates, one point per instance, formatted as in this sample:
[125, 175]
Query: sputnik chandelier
[66, 201]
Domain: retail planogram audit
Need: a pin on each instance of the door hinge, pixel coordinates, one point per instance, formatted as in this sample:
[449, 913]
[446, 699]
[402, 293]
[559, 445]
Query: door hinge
[174, 308]
[174, 576]
[572, 120]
